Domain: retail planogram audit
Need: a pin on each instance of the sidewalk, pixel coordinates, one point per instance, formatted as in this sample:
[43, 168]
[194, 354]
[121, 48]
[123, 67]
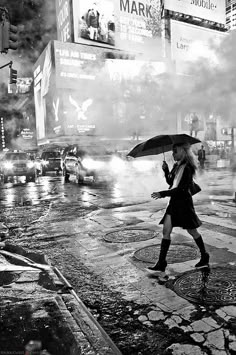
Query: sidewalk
[38, 302]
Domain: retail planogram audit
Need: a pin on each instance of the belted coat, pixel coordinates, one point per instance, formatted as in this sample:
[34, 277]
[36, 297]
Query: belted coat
[180, 207]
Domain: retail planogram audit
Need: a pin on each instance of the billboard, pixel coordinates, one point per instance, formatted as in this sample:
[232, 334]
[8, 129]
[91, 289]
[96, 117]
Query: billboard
[76, 64]
[127, 25]
[211, 10]
[43, 87]
[79, 92]
[64, 20]
[65, 81]
[189, 43]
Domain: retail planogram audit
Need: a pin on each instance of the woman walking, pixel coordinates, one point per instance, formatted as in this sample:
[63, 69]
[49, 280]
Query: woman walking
[180, 211]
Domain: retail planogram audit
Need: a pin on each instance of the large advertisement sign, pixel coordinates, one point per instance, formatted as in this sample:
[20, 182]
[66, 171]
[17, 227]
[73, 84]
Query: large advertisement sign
[64, 20]
[80, 92]
[65, 87]
[128, 25]
[211, 10]
[76, 63]
[43, 82]
[94, 20]
[189, 43]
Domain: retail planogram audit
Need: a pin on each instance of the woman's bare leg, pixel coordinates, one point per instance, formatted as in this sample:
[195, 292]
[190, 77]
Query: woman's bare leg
[167, 227]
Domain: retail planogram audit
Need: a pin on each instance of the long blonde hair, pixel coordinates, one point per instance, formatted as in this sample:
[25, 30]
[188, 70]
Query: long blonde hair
[188, 156]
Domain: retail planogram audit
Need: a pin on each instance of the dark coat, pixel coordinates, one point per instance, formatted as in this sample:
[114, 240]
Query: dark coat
[93, 18]
[180, 207]
[201, 154]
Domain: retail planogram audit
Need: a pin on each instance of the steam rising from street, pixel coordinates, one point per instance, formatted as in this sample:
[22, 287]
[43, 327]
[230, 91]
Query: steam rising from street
[154, 96]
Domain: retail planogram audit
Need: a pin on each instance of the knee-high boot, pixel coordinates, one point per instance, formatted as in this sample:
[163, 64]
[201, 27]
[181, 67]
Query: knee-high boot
[204, 261]
[161, 264]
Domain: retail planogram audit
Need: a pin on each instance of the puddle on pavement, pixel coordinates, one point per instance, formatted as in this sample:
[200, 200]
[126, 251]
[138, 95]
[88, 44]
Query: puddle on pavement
[38, 320]
[223, 215]
[220, 214]
[6, 277]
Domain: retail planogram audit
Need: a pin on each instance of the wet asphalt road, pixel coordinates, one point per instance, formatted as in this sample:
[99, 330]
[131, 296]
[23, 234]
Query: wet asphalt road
[118, 187]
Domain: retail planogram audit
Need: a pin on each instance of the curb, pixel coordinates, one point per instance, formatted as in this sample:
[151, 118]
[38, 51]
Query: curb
[88, 334]
[93, 323]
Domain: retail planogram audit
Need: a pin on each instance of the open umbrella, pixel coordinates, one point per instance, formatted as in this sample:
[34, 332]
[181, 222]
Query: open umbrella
[161, 144]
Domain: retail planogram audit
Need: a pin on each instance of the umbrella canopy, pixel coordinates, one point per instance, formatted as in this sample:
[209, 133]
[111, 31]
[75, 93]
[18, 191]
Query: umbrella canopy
[161, 144]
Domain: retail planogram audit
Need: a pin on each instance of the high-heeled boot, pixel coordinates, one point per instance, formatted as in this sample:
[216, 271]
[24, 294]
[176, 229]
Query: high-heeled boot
[204, 261]
[161, 264]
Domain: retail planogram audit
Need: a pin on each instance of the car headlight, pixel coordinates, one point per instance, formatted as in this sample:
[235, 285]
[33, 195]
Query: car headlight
[45, 162]
[30, 164]
[8, 165]
[88, 163]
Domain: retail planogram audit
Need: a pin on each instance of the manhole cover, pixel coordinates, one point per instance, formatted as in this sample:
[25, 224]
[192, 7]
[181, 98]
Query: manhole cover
[7, 277]
[177, 253]
[213, 286]
[129, 235]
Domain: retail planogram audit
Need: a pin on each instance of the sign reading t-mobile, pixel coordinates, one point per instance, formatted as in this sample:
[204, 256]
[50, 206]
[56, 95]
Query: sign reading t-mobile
[211, 10]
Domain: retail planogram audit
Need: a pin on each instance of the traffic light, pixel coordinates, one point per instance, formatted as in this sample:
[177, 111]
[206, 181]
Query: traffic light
[13, 76]
[9, 36]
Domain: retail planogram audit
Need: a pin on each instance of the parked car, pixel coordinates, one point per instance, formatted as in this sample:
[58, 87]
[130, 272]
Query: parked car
[17, 164]
[50, 161]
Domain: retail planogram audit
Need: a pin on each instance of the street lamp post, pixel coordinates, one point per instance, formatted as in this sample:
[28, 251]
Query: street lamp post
[232, 152]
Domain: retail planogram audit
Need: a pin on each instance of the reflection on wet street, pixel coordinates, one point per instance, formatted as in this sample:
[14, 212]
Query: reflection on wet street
[18, 192]
[128, 184]
[103, 235]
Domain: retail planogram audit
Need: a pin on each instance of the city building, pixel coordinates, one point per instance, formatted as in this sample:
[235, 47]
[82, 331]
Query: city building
[231, 14]
[191, 29]
[97, 79]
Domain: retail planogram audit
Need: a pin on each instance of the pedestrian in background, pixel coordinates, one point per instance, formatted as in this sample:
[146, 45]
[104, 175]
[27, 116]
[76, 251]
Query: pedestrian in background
[93, 22]
[180, 211]
[202, 157]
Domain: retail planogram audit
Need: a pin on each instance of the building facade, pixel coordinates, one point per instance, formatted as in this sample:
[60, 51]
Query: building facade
[231, 14]
[111, 58]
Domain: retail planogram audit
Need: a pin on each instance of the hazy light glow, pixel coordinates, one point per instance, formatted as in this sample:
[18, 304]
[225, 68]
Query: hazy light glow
[117, 164]
[89, 163]
[143, 165]
[10, 196]
[201, 50]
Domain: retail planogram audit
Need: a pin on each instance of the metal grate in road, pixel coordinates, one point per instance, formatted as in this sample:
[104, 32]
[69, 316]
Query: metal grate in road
[129, 235]
[208, 286]
[177, 253]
